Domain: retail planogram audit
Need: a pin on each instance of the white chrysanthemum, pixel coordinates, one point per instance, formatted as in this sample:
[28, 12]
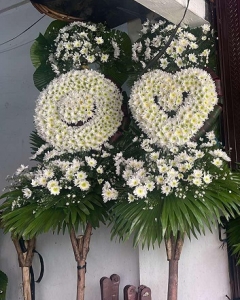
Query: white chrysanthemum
[83, 98]
[81, 175]
[108, 192]
[131, 198]
[158, 94]
[99, 40]
[27, 193]
[197, 181]
[150, 185]
[42, 180]
[52, 183]
[159, 179]
[84, 185]
[221, 154]
[133, 181]
[48, 173]
[166, 189]
[140, 191]
[91, 161]
[55, 190]
[217, 162]
[21, 169]
[207, 178]
[99, 170]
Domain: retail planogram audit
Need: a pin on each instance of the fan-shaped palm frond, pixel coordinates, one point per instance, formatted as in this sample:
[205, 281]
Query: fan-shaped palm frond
[33, 219]
[172, 215]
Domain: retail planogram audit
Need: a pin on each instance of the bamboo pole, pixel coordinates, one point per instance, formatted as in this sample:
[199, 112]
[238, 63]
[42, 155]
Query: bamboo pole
[80, 247]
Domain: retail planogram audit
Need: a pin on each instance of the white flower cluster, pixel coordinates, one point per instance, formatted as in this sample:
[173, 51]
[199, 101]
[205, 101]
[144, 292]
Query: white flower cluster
[182, 52]
[69, 179]
[79, 110]
[162, 111]
[175, 171]
[62, 174]
[109, 193]
[79, 44]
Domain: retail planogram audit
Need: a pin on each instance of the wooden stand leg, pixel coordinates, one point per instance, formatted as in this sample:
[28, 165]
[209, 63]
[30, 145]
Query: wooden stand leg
[25, 262]
[173, 248]
[80, 247]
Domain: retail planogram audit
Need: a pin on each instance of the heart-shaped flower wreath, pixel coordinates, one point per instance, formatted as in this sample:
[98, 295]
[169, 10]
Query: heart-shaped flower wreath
[171, 108]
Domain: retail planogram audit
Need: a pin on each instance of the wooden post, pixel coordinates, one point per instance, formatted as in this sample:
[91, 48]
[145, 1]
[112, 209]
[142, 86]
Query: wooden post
[25, 262]
[173, 248]
[80, 247]
[26, 283]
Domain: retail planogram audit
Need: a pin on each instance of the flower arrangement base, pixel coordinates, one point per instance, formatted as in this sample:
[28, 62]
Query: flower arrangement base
[80, 247]
[173, 248]
[25, 261]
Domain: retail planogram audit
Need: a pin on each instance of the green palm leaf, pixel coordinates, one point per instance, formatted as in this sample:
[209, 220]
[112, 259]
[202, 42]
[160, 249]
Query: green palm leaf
[172, 215]
[43, 76]
[33, 219]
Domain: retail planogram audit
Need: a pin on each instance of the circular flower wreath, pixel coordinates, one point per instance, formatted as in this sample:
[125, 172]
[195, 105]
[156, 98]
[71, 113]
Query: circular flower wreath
[170, 109]
[79, 110]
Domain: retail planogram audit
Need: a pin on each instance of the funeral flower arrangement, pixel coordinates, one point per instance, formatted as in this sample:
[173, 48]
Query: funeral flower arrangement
[162, 176]
[75, 117]
[167, 178]
[64, 184]
[158, 177]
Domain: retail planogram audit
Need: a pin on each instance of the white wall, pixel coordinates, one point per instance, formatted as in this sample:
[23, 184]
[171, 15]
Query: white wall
[203, 266]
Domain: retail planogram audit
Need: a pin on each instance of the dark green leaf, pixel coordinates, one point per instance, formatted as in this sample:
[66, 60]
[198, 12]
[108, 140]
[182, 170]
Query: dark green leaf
[43, 76]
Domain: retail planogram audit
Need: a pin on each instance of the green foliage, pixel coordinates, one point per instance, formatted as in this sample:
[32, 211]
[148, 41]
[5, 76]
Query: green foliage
[43, 211]
[33, 219]
[44, 46]
[171, 214]
[43, 76]
[233, 235]
[157, 217]
[3, 285]
[39, 54]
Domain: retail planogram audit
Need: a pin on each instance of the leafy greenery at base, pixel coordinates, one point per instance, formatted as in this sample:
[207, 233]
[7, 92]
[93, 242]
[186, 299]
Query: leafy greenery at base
[169, 214]
[43, 211]
[233, 236]
[189, 216]
[3, 285]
